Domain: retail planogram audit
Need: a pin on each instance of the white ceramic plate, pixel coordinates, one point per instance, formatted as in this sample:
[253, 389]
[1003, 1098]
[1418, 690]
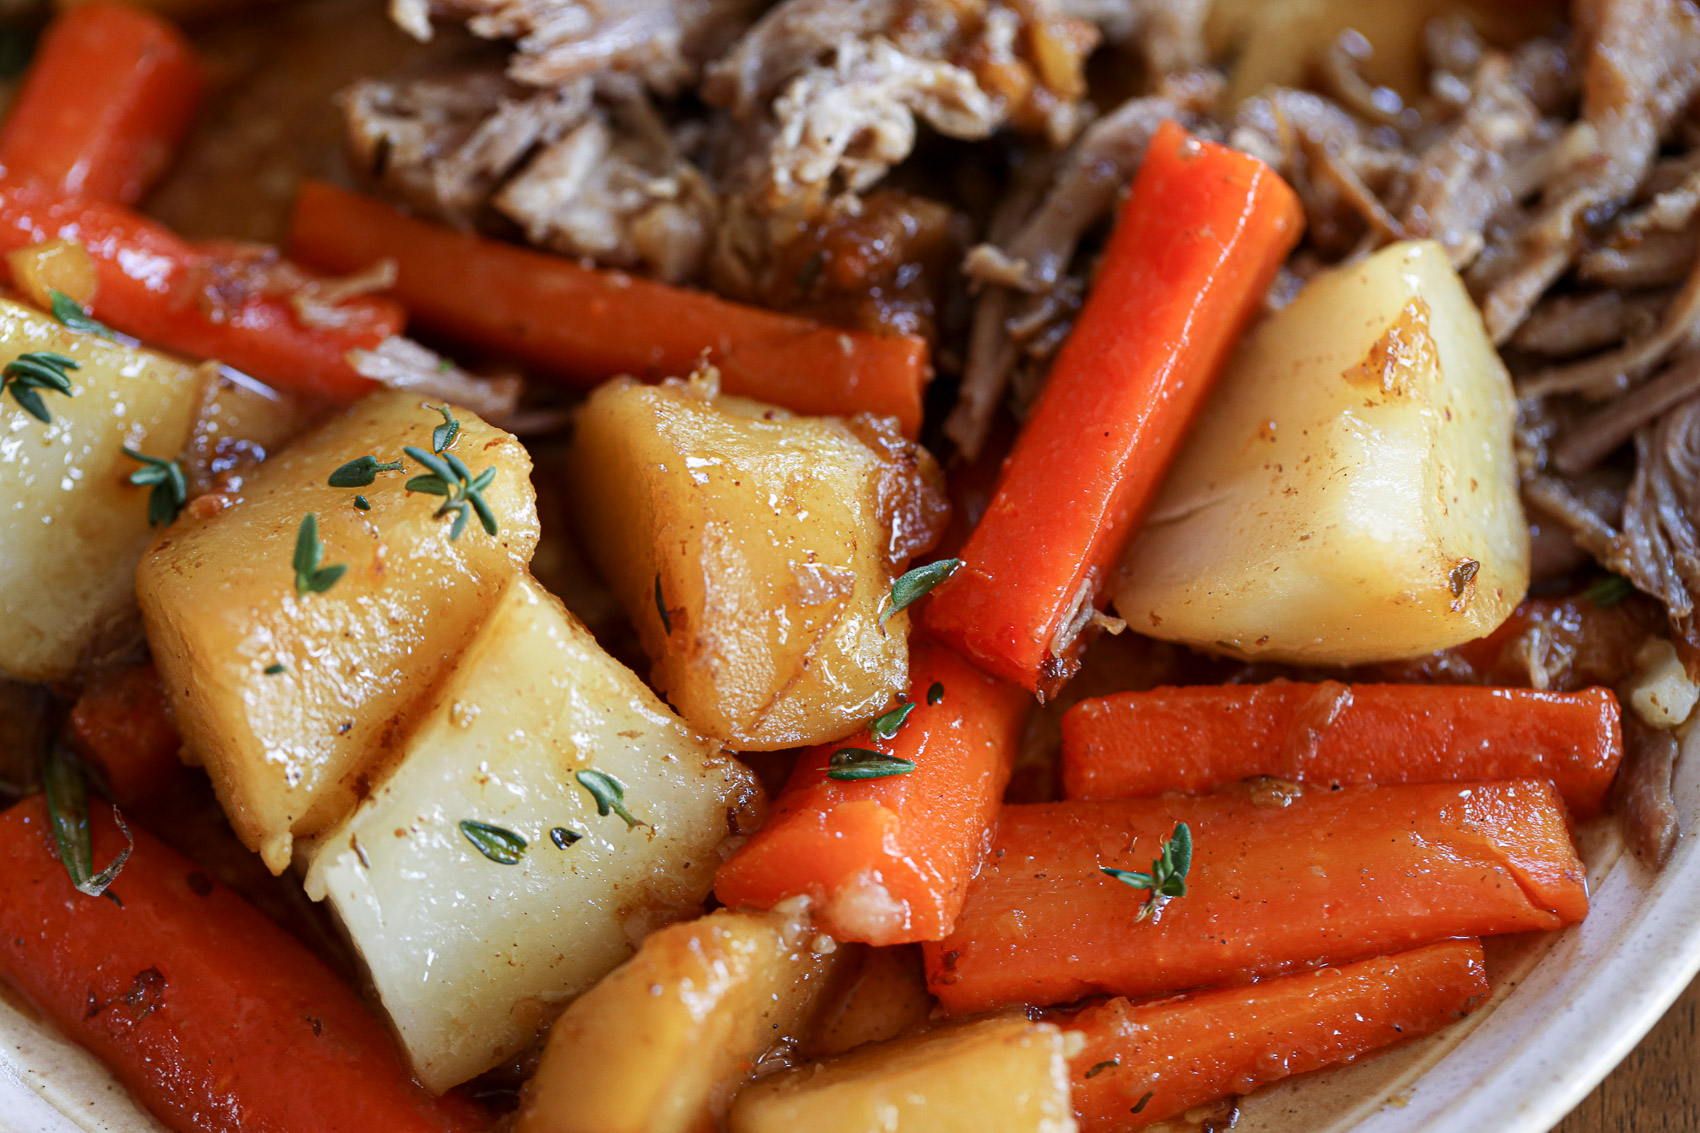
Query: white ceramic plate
[1567, 1007]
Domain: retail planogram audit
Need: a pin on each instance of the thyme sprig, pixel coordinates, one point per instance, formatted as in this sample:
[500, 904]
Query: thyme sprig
[610, 795]
[170, 486]
[1167, 878]
[68, 810]
[462, 493]
[310, 577]
[27, 374]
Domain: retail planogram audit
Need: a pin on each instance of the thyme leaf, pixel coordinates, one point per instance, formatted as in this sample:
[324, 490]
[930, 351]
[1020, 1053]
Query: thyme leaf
[310, 577]
[610, 795]
[849, 764]
[563, 837]
[444, 435]
[1609, 591]
[74, 317]
[935, 693]
[910, 587]
[68, 808]
[886, 726]
[497, 843]
[361, 471]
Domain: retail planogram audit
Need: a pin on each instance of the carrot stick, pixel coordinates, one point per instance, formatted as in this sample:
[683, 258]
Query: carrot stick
[105, 104]
[202, 301]
[1167, 1057]
[215, 1019]
[122, 726]
[582, 326]
[888, 860]
[1195, 247]
[1198, 738]
[1332, 877]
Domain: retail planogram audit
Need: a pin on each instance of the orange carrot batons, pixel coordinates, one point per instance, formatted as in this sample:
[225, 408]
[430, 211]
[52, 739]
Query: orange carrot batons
[215, 1019]
[582, 326]
[122, 725]
[887, 860]
[1169, 1056]
[1200, 737]
[1277, 883]
[105, 104]
[1195, 247]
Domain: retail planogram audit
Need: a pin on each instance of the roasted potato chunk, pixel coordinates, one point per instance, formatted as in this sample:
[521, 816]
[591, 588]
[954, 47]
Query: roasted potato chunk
[998, 1075]
[666, 1039]
[71, 525]
[1349, 494]
[297, 701]
[483, 882]
[753, 549]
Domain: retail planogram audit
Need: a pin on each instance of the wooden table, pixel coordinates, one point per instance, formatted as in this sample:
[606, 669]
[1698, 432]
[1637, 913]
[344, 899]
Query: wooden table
[1657, 1088]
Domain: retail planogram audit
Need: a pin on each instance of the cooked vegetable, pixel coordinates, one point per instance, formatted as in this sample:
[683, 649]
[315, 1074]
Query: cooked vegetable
[884, 995]
[105, 103]
[1350, 494]
[71, 525]
[57, 276]
[1195, 247]
[1000, 1075]
[582, 326]
[1328, 876]
[214, 1018]
[1179, 1053]
[122, 726]
[665, 1040]
[212, 301]
[771, 541]
[291, 753]
[1201, 737]
[471, 949]
[887, 859]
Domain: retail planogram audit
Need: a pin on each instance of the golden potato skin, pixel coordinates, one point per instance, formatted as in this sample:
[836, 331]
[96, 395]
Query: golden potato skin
[472, 956]
[666, 1039]
[1350, 493]
[998, 1075]
[290, 751]
[770, 541]
[71, 525]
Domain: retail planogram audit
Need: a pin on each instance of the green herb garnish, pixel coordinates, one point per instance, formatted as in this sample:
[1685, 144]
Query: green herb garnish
[444, 435]
[310, 577]
[661, 608]
[446, 476]
[275, 668]
[28, 373]
[361, 471]
[916, 584]
[610, 795]
[170, 488]
[71, 313]
[935, 693]
[1609, 591]
[886, 726]
[361, 503]
[1140, 1104]
[562, 837]
[1167, 878]
[68, 808]
[1107, 1064]
[852, 763]
[497, 843]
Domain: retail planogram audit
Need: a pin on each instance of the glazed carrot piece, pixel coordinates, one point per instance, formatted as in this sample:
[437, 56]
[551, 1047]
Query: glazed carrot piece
[1201, 737]
[215, 1019]
[206, 301]
[1144, 1062]
[888, 860]
[1331, 877]
[122, 726]
[1194, 249]
[104, 105]
[581, 326]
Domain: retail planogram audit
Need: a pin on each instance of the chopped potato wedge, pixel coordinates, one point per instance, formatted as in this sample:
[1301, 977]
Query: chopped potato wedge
[71, 525]
[240, 423]
[753, 549]
[1349, 493]
[295, 702]
[666, 1039]
[470, 954]
[998, 1075]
